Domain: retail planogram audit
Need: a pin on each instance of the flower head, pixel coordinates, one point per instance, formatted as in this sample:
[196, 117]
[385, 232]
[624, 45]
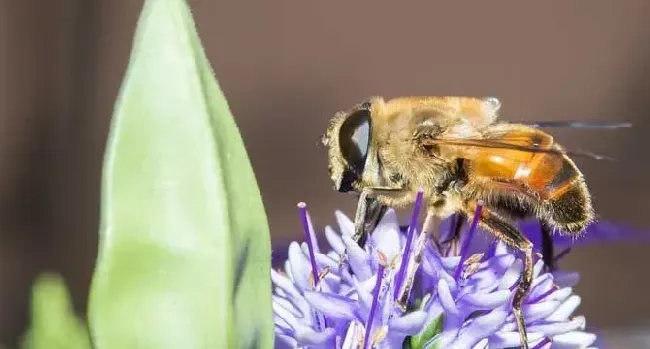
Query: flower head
[405, 289]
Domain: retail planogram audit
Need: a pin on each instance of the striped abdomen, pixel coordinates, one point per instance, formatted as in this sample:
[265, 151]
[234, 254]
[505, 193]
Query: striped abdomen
[553, 178]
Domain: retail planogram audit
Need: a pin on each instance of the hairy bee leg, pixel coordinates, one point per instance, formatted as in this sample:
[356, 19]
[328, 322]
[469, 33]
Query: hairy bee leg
[427, 226]
[548, 255]
[506, 232]
[369, 212]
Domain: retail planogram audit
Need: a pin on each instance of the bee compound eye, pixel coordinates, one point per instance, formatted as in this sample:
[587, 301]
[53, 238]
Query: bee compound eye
[354, 139]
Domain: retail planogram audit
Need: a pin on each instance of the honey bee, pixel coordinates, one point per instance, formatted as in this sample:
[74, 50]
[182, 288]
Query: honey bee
[459, 156]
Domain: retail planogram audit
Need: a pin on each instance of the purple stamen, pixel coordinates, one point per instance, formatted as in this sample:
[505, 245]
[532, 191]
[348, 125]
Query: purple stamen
[399, 278]
[373, 306]
[302, 211]
[541, 344]
[562, 254]
[470, 234]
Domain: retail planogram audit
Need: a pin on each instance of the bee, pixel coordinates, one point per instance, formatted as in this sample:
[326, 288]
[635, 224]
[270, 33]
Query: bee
[455, 152]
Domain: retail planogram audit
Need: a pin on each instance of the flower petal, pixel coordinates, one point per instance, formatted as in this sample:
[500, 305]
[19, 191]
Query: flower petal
[291, 291]
[511, 339]
[557, 328]
[307, 336]
[355, 330]
[300, 269]
[334, 240]
[284, 342]
[287, 268]
[435, 266]
[333, 306]
[331, 283]
[498, 264]
[286, 305]
[491, 271]
[540, 286]
[511, 276]
[364, 297]
[485, 301]
[446, 299]
[386, 237]
[482, 344]
[324, 260]
[565, 310]
[345, 224]
[410, 324]
[285, 315]
[537, 268]
[576, 339]
[560, 295]
[449, 263]
[479, 328]
[501, 248]
[281, 325]
[358, 259]
[564, 279]
[535, 311]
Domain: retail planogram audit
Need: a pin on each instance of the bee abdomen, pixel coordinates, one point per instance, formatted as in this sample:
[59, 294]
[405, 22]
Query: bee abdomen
[568, 203]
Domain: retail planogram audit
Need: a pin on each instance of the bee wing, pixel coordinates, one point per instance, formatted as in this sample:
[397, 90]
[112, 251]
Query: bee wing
[512, 144]
[480, 111]
[576, 124]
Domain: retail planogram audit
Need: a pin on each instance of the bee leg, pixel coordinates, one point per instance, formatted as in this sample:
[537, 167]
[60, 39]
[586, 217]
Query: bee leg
[360, 219]
[506, 232]
[369, 212]
[548, 256]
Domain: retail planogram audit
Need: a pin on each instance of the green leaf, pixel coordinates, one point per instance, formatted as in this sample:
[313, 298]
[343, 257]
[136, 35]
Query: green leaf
[184, 254]
[433, 328]
[54, 324]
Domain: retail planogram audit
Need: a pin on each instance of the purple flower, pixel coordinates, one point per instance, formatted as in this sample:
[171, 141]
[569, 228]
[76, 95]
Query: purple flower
[388, 294]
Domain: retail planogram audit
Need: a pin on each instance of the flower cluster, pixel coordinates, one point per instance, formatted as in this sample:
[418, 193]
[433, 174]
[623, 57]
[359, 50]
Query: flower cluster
[386, 295]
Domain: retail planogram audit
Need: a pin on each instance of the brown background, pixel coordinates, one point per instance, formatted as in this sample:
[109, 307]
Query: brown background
[286, 66]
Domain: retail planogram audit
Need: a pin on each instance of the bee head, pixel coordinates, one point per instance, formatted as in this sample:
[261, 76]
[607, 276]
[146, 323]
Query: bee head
[348, 141]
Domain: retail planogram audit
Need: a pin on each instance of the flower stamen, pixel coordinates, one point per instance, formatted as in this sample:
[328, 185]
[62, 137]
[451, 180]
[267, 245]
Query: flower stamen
[321, 276]
[541, 344]
[470, 234]
[405, 292]
[375, 301]
[472, 264]
[399, 278]
[562, 254]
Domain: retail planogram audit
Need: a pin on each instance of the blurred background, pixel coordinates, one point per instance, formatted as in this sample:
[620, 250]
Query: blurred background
[286, 66]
